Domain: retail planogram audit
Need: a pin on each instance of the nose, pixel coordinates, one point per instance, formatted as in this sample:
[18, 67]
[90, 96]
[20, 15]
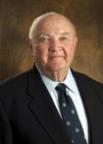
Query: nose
[54, 45]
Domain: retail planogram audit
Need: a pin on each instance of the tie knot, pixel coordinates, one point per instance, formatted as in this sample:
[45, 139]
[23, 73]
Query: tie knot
[61, 88]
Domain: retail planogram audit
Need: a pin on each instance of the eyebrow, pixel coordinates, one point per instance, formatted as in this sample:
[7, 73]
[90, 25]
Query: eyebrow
[65, 33]
[45, 34]
[40, 34]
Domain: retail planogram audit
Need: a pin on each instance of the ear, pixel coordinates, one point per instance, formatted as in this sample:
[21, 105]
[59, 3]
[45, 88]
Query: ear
[30, 46]
[76, 41]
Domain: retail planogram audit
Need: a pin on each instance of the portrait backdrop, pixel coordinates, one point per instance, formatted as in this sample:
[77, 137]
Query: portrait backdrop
[16, 17]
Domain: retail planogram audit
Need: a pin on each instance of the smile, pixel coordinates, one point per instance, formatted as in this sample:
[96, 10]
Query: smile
[56, 56]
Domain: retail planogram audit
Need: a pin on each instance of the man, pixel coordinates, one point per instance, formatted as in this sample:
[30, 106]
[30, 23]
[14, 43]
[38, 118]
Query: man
[30, 100]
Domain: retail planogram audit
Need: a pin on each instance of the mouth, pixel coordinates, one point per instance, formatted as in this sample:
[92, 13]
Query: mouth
[55, 57]
[56, 54]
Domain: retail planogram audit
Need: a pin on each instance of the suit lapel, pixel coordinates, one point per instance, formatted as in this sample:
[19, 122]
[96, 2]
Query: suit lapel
[44, 109]
[92, 106]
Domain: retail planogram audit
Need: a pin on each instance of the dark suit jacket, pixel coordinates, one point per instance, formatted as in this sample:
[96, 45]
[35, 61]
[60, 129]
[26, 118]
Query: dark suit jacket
[30, 116]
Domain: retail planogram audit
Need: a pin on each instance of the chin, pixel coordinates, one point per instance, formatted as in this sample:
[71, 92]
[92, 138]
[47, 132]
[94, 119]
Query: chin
[57, 68]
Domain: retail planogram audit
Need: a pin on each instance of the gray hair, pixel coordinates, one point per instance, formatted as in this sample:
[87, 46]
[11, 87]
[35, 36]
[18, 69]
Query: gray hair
[36, 21]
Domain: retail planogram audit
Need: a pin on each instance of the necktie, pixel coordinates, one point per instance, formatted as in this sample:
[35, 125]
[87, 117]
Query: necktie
[69, 115]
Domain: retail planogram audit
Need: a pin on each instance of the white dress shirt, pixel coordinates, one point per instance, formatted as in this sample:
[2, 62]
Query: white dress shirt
[73, 92]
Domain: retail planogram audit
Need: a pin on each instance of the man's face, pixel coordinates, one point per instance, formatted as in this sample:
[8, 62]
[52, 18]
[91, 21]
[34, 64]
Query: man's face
[54, 44]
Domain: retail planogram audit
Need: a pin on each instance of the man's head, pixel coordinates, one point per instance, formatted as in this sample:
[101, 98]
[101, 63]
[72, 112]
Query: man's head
[53, 42]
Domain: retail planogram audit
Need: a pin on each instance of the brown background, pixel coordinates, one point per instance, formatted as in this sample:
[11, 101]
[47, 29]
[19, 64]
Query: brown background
[16, 17]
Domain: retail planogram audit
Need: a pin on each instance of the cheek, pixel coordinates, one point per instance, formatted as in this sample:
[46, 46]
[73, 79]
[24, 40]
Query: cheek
[70, 50]
[41, 52]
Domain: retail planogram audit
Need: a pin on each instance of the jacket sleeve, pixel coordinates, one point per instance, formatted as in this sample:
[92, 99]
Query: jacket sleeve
[5, 130]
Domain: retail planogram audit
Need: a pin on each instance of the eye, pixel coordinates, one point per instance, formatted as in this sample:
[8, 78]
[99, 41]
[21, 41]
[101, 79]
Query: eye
[63, 38]
[43, 39]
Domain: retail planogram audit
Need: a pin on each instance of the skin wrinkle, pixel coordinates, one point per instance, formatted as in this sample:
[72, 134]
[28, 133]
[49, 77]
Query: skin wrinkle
[53, 45]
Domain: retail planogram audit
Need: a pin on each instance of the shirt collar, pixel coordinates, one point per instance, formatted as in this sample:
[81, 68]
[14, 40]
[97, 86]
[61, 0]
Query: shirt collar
[69, 81]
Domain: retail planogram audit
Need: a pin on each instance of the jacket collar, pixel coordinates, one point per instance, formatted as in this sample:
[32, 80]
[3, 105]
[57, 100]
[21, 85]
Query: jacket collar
[44, 109]
[89, 93]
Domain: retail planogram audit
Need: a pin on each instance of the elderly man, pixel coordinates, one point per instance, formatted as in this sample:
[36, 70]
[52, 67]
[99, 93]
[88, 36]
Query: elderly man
[52, 104]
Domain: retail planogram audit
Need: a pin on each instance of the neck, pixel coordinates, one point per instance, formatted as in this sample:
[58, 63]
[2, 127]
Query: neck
[56, 75]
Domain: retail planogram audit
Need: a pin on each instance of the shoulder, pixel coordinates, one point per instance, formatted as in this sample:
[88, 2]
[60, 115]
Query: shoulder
[15, 87]
[16, 84]
[17, 79]
[89, 86]
[19, 83]
[87, 81]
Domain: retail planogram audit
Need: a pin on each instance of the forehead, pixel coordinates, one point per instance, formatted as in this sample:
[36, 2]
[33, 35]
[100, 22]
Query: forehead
[55, 23]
